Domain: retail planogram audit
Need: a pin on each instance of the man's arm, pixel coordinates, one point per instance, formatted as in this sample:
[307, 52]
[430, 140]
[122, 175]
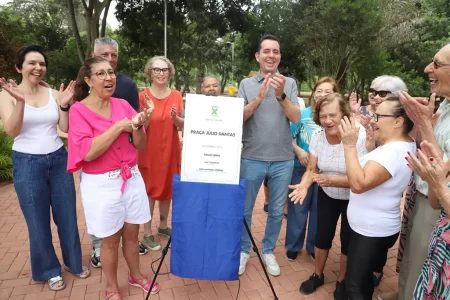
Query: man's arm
[291, 110]
[289, 105]
[253, 105]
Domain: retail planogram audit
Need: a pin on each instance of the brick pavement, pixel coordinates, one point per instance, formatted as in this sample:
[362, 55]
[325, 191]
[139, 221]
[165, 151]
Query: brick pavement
[16, 283]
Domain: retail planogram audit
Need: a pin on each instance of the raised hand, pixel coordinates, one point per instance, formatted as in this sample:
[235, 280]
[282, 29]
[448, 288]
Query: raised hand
[65, 96]
[149, 105]
[278, 82]
[124, 125]
[429, 165]
[418, 110]
[355, 104]
[173, 112]
[298, 194]
[12, 89]
[264, 87]
[349, 131]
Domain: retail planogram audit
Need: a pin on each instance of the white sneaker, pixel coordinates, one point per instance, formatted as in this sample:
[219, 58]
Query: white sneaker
[244, 260]
[271, 263]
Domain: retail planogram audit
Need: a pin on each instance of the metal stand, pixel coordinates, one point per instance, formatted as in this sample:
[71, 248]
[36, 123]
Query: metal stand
[260, 260]
[255, 248]
[164, 252]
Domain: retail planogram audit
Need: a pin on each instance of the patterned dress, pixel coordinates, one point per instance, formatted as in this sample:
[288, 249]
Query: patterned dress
[434, 280]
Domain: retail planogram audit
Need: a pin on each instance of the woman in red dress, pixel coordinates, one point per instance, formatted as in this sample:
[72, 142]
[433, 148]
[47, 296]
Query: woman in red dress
[161, 158]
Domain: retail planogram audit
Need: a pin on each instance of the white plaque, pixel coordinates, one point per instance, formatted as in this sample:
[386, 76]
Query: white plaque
[212, 139]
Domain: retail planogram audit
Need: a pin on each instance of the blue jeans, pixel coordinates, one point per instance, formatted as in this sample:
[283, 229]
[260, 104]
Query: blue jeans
[42, 182]
[279, 174]
[298, 215]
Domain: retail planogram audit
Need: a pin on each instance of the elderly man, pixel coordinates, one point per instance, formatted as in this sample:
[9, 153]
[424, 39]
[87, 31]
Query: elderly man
[422, 217]
[211, 85]
[126, 89]
[270, 103]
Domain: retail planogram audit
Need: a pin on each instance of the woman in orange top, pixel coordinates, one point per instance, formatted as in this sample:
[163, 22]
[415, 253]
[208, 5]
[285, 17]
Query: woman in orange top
[161, 158]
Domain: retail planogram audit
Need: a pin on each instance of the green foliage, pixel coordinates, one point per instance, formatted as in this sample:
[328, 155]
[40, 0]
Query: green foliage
[6, 143]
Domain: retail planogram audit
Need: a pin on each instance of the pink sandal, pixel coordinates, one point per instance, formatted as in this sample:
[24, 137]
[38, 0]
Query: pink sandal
[139, 282]
[109, 295]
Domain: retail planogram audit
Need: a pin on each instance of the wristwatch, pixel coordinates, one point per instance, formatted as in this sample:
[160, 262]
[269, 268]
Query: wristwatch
[283, 96]
[65, 109]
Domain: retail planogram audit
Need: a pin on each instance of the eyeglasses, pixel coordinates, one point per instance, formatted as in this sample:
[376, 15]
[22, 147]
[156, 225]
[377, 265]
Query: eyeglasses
[376, 116]
[102, 74]
[165, 71]
[437, 64]
[382, 94]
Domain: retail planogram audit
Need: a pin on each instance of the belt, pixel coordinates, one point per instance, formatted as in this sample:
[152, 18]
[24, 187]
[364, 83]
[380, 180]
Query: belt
[126, 172]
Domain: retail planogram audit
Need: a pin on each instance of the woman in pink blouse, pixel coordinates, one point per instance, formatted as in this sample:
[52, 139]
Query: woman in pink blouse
[104, 135]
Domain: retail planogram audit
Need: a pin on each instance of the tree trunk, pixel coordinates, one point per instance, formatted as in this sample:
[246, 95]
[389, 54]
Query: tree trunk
[76, 33]
[105, 16]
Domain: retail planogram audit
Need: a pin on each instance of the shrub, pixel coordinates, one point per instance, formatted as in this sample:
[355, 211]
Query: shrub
[6, 143]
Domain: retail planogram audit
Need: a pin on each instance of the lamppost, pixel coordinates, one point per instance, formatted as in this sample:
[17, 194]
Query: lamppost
[232, 59]
[165, 28]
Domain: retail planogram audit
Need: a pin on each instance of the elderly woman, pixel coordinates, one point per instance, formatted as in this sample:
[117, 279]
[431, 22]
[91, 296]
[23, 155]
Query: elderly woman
[377, 182]
[300, 213]
[31, 113]
[433, 280]
[103, 137]
[381, 88]
[161, 158]
[326, 167]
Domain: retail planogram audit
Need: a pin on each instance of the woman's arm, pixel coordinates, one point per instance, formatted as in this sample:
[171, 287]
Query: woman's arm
[102, 142]
[438, 192]
[363, 179]
[63, 98]
[311, 168]
[11, 114]
[139, 138]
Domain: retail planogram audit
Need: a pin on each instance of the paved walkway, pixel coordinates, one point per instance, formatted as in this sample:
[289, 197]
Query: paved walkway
[16, 283]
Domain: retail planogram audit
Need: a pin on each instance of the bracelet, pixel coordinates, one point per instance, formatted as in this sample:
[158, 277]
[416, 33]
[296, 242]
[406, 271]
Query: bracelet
[136, 128]
[440, 198]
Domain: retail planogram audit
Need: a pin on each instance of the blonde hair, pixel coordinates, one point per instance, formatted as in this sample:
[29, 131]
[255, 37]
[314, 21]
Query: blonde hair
[149, 65]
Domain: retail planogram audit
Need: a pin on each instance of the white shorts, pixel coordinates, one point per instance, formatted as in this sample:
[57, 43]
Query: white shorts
[106, 209]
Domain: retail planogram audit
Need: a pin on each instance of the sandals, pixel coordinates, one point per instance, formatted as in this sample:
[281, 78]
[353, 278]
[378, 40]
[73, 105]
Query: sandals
[139, 282]
[109, 295]
[83, 274]
[52, 283]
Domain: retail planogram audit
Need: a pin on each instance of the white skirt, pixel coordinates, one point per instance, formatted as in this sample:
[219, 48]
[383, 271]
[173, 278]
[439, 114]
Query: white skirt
[106, 209]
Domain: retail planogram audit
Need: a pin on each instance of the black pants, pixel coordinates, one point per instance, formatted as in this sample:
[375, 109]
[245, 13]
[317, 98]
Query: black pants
[328, 212]
[364, 255]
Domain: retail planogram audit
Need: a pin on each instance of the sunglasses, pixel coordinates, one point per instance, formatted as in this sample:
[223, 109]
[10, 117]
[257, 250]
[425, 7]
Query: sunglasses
[376, 116]
[382, 94]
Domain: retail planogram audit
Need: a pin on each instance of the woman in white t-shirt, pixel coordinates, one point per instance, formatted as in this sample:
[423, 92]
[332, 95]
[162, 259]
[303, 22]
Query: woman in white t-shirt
[326, 167]
[377, 182]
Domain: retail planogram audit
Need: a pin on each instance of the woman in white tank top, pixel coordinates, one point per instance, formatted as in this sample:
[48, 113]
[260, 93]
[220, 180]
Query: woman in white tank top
[31, 113]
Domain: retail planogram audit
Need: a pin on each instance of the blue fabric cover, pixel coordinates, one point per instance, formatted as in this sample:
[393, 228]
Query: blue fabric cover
[207, 222]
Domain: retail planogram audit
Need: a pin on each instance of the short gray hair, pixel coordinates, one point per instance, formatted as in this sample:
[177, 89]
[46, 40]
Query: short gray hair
[394, 84]
[106, 41]
[211, 76]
